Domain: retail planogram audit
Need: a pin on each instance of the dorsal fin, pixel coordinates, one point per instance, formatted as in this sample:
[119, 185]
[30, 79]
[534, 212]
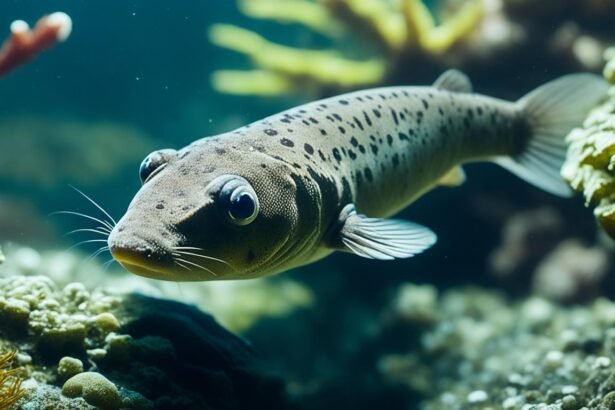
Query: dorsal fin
[454, 80]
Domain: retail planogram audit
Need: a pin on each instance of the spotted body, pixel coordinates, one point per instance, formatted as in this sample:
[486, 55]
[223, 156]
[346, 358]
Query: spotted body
[292, 188]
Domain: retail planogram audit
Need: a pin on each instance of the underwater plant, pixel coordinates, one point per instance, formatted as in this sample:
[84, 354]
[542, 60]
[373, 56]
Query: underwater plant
[24, 44]
[395, 29]
[10, 384]
[590, 164]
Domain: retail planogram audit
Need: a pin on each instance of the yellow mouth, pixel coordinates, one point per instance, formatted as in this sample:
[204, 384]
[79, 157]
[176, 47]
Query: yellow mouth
[135, 263]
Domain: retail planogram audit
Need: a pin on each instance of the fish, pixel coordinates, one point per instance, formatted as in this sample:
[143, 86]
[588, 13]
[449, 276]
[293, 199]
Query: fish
[330, 175]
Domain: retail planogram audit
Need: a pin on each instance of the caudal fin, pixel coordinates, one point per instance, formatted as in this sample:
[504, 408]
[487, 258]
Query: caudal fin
[552, 111]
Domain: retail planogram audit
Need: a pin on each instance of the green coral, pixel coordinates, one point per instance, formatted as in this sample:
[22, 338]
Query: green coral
[590, 164]
[395, 28]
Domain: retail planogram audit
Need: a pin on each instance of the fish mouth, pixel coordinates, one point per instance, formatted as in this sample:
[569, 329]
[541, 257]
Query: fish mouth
[139, 263]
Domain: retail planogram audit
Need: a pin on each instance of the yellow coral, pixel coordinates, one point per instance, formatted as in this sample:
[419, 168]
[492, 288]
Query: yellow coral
[10, 384]
[397, 27]
[590, 163]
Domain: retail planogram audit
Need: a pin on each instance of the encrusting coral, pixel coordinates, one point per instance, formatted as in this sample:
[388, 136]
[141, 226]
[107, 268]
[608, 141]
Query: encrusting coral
[590, 164]
[396, 28]
[25, 44]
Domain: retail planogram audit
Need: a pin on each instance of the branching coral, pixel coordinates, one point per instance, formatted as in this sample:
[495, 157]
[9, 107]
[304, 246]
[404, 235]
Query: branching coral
[396, 27]
[10, 384]
[25, 44]
[590, 166]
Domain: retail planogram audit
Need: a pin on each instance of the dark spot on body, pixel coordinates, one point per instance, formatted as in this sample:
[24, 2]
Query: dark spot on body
[313, 120]
[361, 149]
[367, 119]
[305, 122]
[342, 129]
[321, 155]
[285, 120]
[308, 148]
[425, 104]
[376, 113]
[395, 160]
[352, 154]
[358, 122]
[343, 102]
[368, 174]
[354, 142]
[263, 166]
[337, 117]
[160, 206]
[296, 165]
[440, 111]
[271, 132]
[323, 132]
[374, 148]
[394, 114]
[336, 154]
[479, 110]
[389, 139]
[403, 137]
[219, 151]
[287, 143]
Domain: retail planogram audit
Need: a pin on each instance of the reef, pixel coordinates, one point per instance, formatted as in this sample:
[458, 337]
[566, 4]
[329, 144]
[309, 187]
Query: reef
[590, 167]
[361, 43]
[83, 349]
[394, 30]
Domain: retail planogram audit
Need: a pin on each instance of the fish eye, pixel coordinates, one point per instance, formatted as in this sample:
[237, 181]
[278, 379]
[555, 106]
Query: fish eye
[152, 164]
[240, 202]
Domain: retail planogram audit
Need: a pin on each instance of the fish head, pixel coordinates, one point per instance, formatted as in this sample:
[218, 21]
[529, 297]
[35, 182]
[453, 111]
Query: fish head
[209, 213]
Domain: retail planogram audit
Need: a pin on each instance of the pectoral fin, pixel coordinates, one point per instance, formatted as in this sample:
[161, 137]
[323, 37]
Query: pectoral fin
[378, 238]
[454, 177]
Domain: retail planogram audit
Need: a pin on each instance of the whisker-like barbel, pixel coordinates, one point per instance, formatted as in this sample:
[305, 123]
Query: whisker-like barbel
[99, 230]
[95, 204]
[88, 241]
[105, 223]
[211, 258]
[196, 265]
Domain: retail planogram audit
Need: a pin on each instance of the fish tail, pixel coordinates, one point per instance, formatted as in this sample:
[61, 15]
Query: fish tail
[552, 111]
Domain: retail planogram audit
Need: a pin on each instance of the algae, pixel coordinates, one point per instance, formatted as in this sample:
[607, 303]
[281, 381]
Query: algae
[589, 167]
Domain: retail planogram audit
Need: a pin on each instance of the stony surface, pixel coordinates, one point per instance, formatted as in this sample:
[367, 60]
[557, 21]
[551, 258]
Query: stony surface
[130, 352]
[477, 350]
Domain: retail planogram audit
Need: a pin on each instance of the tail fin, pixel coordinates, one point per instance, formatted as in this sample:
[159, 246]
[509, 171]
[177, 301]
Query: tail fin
[552, 111]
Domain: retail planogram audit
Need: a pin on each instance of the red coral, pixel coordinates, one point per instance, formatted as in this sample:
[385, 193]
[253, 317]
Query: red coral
[24, 44]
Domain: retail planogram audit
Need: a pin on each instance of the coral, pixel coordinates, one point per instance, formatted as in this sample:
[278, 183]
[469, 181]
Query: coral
[10, 384]
[25, 44]
[69, 367]
[396, 28]
[589, 166]
[95, 388]
[156, 354]
[85, 160]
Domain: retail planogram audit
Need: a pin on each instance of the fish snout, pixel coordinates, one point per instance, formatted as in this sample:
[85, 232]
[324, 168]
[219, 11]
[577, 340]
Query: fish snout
[137, 254]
